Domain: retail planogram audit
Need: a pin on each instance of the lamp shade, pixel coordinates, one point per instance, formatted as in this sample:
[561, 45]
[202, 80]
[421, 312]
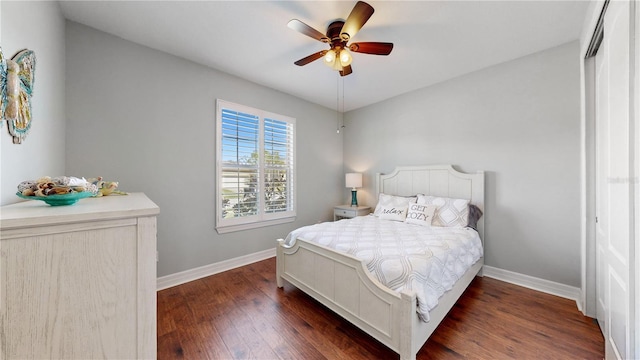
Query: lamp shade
[345, 57]
[330, 58]
[353, 180]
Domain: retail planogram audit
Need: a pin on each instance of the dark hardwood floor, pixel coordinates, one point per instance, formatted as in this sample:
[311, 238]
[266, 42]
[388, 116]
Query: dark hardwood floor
[241, 314]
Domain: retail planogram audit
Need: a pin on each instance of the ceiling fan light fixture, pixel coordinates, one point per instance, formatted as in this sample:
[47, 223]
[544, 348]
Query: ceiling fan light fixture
[345, 57]
[337, 65]
[337, 59]
[329, 58]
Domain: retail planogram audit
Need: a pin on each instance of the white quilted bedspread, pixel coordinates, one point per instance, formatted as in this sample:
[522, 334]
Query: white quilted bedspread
[427, 260]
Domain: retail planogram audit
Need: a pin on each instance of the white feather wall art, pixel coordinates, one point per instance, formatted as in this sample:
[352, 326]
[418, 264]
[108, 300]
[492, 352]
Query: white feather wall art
[16, 88]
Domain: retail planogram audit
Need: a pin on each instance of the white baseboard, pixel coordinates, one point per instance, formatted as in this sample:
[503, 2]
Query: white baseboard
[545, 286]
[182, 277]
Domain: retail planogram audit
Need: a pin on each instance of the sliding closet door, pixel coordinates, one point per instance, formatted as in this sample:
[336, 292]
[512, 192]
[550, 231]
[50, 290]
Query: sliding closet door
[602, 201]
[615, 280]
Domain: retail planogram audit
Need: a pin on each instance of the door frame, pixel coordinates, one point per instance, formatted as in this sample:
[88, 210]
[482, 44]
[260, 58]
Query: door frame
[635, 164]
[588, 152]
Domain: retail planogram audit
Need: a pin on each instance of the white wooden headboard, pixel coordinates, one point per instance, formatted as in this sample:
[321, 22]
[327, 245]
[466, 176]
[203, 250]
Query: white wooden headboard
[436, 180]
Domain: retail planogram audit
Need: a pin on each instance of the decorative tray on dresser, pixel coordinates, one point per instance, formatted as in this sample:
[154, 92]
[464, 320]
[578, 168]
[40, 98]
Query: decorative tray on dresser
[78, 281]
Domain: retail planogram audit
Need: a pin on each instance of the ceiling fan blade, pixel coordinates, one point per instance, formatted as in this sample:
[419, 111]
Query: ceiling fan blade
[305, 29]
[346, 70]
[358, 17]
[375, 48]
[310, 58]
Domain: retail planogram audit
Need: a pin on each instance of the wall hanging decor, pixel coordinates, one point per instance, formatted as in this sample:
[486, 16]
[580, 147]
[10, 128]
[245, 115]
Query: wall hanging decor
[16, 88]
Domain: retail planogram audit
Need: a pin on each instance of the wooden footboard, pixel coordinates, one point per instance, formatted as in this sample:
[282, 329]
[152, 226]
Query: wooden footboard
[342, 283]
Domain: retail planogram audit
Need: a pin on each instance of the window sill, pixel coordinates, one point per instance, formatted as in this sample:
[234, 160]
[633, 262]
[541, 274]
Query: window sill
[223, 229]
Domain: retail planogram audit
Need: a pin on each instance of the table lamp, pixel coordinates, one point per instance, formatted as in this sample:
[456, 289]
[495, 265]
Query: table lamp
[353, 181]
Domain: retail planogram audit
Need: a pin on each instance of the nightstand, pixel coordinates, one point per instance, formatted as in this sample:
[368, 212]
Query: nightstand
[348, 211]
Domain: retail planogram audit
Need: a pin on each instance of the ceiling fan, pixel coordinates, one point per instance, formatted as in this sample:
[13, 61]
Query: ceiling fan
[338, 35]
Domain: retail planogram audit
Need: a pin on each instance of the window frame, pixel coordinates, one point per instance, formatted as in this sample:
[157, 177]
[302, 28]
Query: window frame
[262, 218]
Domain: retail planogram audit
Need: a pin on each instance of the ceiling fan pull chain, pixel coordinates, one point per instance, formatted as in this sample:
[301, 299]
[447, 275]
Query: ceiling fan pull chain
[338, 105]
[341, 78]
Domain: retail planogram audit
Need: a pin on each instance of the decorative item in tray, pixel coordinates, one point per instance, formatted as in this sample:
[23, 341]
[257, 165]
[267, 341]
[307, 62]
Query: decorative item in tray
[105, 188]
[61, 190]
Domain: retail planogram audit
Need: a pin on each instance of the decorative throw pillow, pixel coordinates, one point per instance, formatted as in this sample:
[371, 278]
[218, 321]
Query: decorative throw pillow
[474, 215]
[395, 213]
[449, 212]
[391, 207]
[420, 214]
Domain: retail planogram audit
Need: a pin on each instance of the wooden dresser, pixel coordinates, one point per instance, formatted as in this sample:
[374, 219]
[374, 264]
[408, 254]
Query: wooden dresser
[78, 281]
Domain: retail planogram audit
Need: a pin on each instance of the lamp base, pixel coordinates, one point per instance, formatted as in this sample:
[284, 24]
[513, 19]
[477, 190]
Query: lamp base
[354, 198]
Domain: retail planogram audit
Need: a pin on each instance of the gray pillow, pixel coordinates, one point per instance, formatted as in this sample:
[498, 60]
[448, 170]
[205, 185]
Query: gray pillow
[474, 215]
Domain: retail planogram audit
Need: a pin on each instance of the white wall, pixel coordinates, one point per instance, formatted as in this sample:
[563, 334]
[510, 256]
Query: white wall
[147, 119]
[520, 122]
[38, 26]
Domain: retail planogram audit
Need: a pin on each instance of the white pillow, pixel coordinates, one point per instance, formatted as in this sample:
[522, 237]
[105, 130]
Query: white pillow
[420, 214]
[449, 212]
[391, 207]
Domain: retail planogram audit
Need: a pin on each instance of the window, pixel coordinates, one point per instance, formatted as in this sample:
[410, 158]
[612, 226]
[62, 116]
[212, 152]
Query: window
[255, 168]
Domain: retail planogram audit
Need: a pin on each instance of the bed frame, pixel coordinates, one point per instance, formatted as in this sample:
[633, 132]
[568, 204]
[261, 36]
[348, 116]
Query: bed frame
[343, 284]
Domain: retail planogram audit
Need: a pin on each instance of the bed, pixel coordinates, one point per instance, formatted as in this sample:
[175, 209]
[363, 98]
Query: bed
[343, 283]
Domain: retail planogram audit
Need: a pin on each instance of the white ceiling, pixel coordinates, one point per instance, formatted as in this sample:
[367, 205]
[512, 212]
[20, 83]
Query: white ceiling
[433, 40]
